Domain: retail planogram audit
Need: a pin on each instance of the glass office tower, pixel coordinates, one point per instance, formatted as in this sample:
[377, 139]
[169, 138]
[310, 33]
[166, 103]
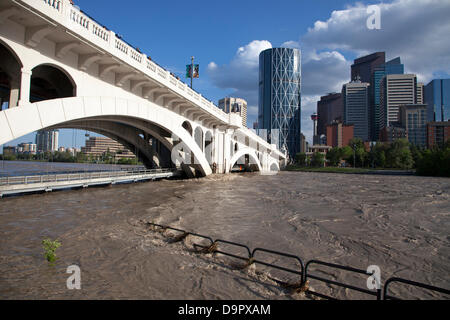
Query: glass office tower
[394, 66]
[437, 97]
[280, 98]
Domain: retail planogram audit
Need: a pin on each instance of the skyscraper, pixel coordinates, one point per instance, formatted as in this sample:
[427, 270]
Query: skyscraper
[235, 105]
[363, 67]
[396, 90]
[437, 97]
[329, 109]
[413, 118]
[47, 141]
[280, 97]
[316, 138]
[393, 66]
[356, 107]
[420, 93]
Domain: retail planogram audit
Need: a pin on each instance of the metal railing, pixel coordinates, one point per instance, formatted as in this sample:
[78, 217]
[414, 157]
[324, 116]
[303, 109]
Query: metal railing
[88, 175]
[305, 275]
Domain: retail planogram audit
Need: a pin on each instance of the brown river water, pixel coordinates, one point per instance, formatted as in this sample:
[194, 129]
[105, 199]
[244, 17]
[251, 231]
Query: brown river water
[399, 223]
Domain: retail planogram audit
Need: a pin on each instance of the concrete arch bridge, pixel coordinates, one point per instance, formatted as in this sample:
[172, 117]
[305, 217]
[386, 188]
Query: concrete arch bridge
[59, 68]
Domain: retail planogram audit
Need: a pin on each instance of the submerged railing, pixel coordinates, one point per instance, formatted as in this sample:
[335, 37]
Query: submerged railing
[304, 273]
[88, 175]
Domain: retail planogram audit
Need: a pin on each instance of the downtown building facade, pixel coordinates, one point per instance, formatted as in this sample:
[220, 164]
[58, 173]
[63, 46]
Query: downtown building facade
[438, 133]
[339, 135]
[437, 98]
[280, 98]
[235, 105]
[356, 107]
[47, 141]
[98, 146]
[393, 66]
[396, 90]
[389, 89]
[330, 108]
[414, 119]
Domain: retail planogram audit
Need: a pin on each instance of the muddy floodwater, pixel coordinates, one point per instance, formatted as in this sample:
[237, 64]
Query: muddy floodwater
[399, 223]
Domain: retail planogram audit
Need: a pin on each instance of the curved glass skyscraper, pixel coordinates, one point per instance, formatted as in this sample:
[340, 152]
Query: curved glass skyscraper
[280, 97]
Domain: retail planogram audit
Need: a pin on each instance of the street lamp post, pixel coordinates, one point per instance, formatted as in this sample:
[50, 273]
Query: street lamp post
[192, 70]
[354, 155]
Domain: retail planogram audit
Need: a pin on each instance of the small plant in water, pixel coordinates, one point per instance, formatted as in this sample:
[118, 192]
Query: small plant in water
[50, 248]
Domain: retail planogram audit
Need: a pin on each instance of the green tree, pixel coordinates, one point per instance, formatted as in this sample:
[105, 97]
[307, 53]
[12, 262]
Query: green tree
[435, 162]
[300, 159]
[358, 152]
[318, 160]
[334, 156]
[399, 155]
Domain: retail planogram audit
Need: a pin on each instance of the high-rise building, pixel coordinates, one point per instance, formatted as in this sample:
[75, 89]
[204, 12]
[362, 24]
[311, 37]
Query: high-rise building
[280, 97]
[393, 66]
[394, 132]
[316, 138]
[420, 93]
[396, 90]
[235, 105]
[28, 148]
[330, 108]
[363, 67]
[438, 133]
[413, 118]
[339, 135]
[47, 141]
[356, 107]
[437, 97]
[97, 146]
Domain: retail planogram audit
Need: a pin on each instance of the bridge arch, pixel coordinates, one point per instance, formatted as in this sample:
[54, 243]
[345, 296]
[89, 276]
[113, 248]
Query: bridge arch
[188, 127]
[65, 112]
[136, 141]
[209, 143]
[253, 159]
[50, 81]
[198, 135]
[10, 71]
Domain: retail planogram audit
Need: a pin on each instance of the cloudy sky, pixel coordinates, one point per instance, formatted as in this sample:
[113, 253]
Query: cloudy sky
[415, 30]
[226, 38]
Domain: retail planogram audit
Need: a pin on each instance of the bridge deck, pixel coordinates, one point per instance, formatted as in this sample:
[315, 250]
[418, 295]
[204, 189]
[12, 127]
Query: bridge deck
[50, 182]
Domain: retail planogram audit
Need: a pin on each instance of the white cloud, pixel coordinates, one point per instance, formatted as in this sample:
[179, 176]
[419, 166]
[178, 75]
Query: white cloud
[415, 30]
[241, 74]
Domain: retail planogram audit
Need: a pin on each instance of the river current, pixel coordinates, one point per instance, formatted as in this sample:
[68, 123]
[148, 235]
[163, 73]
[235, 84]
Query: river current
[399, 223]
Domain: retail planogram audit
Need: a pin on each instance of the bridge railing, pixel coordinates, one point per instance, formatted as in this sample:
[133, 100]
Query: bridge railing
[77, 21]
[88, 175]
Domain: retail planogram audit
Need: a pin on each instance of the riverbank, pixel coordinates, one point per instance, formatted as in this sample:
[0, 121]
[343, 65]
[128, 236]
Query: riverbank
[351, 170]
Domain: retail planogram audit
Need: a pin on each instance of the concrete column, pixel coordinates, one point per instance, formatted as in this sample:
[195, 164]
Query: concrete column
[25, 87]
[226, 147]
[14, 95]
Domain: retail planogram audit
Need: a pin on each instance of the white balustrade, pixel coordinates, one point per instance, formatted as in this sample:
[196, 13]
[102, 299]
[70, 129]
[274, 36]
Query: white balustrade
[114, 43]
[121, 46]
[56, 4]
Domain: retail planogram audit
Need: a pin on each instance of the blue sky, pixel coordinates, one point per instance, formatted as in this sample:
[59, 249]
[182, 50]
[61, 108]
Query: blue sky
[227, 36]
